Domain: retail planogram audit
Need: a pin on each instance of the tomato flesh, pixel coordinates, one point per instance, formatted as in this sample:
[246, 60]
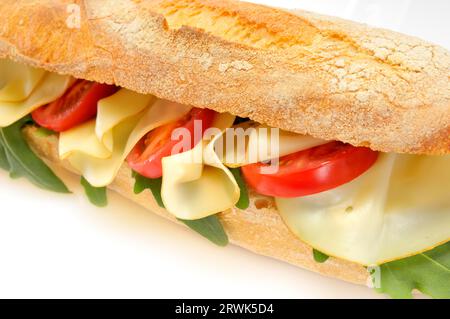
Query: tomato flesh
[146, 156]
[311, 171]
[76, 106]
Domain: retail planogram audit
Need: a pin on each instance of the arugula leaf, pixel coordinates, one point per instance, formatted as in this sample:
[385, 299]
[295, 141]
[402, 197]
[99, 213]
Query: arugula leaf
[154, 184]
[243, 201]
[3, 157]
[428, 272]
[96, 195]
[44, 132]
[319, 256]
[22, 162]
[209, 227]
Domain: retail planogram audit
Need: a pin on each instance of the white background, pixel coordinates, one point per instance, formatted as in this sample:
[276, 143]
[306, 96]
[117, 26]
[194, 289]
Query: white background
[60, 246]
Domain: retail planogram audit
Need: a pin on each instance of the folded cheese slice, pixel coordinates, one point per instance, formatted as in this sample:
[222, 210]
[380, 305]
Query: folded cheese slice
[400, 207]
[24, 89]
[114, 109]
[81, 140]
[97, 149]
[250, 142]
[195, 183]
[17, 81]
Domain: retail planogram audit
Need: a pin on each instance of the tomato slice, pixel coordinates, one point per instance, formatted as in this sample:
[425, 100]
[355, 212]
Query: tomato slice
[76, 106]
[146, 156]
[311, 171]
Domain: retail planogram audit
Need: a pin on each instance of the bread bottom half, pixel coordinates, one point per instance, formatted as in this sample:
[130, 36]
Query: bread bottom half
[259, 228]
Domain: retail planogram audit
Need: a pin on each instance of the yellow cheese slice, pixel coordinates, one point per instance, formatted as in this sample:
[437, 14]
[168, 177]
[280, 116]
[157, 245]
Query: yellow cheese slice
[81, 139]
[114, 109]
[17, 81]
[162, 112]
[400, 207]
[195, 183]
[49, 89]
[126, 126]
[250, 142]
[101, 172]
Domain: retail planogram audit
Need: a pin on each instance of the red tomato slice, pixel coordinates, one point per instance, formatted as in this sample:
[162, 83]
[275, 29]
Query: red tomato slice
[146, 156]
[76, 106]
[311, 171]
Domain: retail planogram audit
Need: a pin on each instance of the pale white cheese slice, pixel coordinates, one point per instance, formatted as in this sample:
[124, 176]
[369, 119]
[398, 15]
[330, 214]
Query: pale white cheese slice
[399, 207]
[250, 142]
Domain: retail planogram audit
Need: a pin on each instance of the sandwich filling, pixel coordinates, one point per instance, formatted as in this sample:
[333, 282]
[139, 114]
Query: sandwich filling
[348, 202]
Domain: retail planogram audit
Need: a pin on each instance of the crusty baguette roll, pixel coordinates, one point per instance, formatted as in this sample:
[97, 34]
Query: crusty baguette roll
[259, 228]
[301, 72]
[306, 73]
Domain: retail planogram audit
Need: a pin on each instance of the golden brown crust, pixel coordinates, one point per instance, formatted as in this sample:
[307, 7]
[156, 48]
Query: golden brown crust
[302, 72]
[259, 228]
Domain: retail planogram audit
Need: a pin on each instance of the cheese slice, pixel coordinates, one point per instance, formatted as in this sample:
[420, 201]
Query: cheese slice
[114, 109]
[81, 139]
[123, 119]
[400, 207]
[49, 89]
[195, 183]
[250, 142]
[17, 81]
[100, 172]
[162, 112]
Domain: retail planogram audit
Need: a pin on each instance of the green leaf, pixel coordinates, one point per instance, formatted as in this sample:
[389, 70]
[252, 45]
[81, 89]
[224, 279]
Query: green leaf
[44, 132]
[428, 272]
[319, 256]
[209, 227]
[96, 195]
[22, 162]
[153, 184]
[243, 201]
[4, 163]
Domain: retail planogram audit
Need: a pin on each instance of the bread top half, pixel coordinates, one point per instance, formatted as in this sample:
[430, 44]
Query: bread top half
[302, 72]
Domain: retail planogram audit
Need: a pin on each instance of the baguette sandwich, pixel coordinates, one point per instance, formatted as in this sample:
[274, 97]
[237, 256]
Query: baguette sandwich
[343, 162]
